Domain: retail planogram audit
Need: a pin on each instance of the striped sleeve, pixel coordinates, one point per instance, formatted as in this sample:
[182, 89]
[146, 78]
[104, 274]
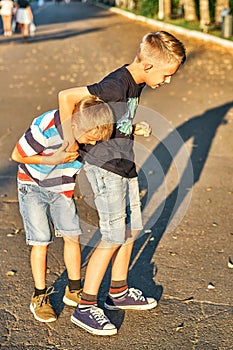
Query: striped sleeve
[32, 142]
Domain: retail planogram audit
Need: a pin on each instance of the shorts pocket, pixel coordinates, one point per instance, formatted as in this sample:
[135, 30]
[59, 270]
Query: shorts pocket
[24, 189]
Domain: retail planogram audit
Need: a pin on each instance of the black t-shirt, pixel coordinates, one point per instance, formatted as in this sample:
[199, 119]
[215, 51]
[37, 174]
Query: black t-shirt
[120, 91]
[23, 3]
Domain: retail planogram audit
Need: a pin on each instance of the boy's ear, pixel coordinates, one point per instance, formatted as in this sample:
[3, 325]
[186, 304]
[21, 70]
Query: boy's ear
[147, 67]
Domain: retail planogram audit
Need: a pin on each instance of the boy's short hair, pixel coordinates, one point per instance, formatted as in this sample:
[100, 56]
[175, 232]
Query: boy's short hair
[93, 114]
[161, 45]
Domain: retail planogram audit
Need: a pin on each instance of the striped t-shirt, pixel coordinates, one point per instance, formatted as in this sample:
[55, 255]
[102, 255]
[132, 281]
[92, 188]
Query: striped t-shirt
[44, 137]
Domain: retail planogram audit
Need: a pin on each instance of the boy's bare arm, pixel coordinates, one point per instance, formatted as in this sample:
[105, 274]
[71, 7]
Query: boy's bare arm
[59, 157]
[67, 100]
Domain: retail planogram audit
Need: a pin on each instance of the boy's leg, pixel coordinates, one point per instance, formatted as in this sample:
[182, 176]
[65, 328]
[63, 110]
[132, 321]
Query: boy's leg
[97, 267]
[33, 204]
[120, 296]
[87, 315]
[40, 305]
[72, 259]
[66, 224]
[121, 259]
[110, 200]
[38, 265]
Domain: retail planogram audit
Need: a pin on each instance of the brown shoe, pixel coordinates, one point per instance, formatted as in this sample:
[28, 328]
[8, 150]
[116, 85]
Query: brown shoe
[41, 308]
[72, 298]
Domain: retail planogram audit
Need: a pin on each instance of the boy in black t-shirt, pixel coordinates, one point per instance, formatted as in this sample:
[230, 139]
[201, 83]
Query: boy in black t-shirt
[111, 170]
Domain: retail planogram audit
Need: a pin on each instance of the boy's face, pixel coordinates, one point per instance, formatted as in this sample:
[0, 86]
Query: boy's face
[155, 75]
[86, 137]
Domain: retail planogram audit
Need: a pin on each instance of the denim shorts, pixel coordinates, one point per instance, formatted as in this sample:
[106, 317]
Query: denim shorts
[117, 201]
[42, 209]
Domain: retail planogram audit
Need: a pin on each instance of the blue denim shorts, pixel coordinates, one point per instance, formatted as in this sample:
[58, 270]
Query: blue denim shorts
[41, 209]
[117, 201]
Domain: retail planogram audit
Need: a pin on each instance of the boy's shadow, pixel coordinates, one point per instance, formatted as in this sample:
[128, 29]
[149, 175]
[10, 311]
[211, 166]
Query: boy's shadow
[201, 130]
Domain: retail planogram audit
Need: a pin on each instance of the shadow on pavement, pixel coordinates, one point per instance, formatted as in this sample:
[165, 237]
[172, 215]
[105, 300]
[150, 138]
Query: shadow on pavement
[202, 130]
[40, 37]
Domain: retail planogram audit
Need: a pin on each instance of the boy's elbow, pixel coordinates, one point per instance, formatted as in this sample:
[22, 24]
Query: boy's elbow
[14, 155]
[61, 95]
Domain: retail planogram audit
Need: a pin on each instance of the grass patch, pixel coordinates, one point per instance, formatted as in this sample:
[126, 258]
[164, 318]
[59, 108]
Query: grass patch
[194, 25]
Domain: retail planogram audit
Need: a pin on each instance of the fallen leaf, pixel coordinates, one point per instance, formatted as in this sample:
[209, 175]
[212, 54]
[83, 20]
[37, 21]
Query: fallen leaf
[209, 189]
[11, 273]
[172, 253]
[230, 263]
[211, 285]
[189, 300]
[180, 327]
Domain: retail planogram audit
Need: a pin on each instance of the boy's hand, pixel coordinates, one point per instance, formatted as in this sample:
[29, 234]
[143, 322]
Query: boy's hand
[142, 129]
[62, 156]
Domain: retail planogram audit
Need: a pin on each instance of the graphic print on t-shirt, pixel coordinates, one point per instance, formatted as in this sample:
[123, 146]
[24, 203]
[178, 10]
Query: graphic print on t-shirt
[124, 124]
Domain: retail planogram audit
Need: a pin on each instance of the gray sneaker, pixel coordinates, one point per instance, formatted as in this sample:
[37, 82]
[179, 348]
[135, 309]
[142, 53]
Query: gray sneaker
[93, 320]
[41, 308]
[133, 300]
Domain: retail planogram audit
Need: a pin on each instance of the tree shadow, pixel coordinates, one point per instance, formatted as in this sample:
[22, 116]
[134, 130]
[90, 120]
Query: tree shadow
[59, 35]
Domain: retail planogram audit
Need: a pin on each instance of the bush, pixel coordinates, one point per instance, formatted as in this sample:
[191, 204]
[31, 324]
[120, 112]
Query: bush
[148, 8]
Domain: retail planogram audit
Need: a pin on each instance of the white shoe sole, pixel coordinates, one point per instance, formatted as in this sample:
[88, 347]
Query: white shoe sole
[93, 330]
[69, 302]
[132, 307]
[52, 319]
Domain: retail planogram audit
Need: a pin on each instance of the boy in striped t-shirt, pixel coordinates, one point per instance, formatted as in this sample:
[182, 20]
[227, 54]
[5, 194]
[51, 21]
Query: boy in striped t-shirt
[46, 181]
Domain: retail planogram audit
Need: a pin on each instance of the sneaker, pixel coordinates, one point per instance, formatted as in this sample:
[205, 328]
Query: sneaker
[94, 321]
[41, 308]
[72, 298]
[133, 300]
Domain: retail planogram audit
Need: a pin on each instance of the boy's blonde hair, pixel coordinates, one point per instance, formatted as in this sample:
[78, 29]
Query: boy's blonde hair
[92, 114]
[161, 45]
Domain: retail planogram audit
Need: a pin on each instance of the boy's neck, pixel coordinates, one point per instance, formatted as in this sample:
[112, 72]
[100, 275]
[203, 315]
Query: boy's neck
[135, 71]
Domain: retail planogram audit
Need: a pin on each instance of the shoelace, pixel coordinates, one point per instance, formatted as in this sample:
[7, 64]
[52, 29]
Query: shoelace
[45, 297]
[78, 292]
[136, 294]
[99, 315]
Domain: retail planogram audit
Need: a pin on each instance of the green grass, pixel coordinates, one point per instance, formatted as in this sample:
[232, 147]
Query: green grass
[194, 25]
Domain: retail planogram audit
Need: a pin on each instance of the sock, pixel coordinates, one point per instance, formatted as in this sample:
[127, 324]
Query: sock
[87, 300]
[118, 289]
[74, 284]
[39, 291]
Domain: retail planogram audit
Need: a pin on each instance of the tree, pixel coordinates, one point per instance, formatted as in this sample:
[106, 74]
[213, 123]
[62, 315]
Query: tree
[204, 15]
[189, 10]
[167, 8]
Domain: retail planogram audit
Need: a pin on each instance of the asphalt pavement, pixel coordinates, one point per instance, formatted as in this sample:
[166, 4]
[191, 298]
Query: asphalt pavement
[184, 255]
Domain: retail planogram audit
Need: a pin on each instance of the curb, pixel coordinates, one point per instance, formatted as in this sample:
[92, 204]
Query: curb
[167, 26]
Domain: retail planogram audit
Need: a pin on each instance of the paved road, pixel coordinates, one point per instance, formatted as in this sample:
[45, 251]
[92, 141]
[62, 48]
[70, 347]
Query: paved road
[77, 44]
